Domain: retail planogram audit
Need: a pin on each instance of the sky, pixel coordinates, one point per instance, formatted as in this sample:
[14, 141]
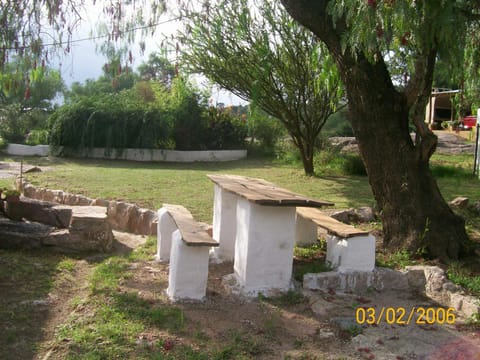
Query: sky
[85, 62]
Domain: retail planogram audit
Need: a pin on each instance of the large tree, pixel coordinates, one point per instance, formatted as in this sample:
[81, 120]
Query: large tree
[364, 37]
[261, 55]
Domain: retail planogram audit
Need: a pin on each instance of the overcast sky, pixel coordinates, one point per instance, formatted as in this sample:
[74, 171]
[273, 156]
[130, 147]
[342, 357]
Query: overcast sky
[85, 62]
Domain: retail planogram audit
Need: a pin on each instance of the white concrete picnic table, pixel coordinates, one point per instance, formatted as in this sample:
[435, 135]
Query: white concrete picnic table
[254, 223]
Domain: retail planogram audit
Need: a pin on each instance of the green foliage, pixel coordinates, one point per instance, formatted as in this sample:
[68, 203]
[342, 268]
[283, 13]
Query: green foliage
[37, 137]
[184, 104]
[147, 116]
[35, 90]
[353, 165]
[264, 132]
[17, 123]
[224, 130]
[110, 121]
[260, 54]
[397, 260]
[338, 125]
[460, 275]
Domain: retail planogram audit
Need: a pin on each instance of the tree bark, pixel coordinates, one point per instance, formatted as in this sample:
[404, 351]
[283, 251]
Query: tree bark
[414, 214]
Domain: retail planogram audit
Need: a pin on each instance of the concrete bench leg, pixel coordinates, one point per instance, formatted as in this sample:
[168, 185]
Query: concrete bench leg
[224, 223]
[188, 274]
[166, 226]
[264, 247]
[305, 231]
[352, 254]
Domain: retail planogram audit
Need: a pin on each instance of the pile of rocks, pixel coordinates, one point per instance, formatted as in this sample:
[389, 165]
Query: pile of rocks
[32, 224]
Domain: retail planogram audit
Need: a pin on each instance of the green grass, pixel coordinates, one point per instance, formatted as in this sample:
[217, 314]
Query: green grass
[26, 278]
[461, 275]
[151, 185]
[397, 260]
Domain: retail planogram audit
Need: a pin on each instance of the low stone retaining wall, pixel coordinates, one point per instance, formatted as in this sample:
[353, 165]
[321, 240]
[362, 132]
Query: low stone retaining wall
[144, 155]
[122, 216]
[149, 155]
[430, 281]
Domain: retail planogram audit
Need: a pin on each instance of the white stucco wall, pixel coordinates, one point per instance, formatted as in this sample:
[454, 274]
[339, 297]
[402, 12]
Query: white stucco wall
[133, 154]
[27, 150]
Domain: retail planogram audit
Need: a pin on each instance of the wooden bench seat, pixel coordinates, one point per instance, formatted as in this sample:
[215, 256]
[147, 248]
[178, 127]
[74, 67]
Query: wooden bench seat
[192, 233]
[186, 245]
[348, 248]
[333, 226]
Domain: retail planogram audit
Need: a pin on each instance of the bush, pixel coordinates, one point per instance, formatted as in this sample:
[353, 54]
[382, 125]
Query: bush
[37, 137]
[174, 119]
[224, 131]
[16, 122]
[265, 131]
[338, 125]
[354, 165]
[111, 121]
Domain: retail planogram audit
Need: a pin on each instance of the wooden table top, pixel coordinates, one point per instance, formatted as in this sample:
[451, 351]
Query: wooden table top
[263, 192]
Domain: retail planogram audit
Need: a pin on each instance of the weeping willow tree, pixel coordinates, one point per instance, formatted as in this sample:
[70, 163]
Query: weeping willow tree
[364, 37]
[261, 55]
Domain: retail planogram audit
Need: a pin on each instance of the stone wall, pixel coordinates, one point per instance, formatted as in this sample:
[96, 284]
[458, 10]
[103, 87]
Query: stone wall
[122, 216]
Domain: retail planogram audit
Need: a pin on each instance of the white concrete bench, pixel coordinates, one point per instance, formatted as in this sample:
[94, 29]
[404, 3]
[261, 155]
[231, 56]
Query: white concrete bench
[348, 248]
[183, 242]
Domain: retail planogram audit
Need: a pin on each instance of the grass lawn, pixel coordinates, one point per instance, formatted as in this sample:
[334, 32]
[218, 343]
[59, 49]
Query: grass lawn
[151, 185]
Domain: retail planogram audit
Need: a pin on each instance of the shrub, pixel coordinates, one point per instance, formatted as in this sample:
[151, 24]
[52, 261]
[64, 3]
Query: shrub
[110, 121]
[224, 131]
[265, 131]
[354, 165]
[37, 137]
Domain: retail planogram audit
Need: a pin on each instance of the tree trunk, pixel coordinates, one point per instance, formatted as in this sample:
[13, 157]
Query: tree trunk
[414, 214]
[306, 152]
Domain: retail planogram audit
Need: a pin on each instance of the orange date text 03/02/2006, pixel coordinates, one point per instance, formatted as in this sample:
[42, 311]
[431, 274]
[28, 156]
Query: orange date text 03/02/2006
[403, 316]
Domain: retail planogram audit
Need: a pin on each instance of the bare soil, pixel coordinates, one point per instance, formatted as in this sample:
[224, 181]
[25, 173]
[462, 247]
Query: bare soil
[312, 327]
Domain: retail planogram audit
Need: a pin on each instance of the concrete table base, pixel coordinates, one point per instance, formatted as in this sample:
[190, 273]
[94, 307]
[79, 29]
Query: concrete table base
[264, 243]
[165, 228]
[224, 223]
[352, 254]
[188, 274]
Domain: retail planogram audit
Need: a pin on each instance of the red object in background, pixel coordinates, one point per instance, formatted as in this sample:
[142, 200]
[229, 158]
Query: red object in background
[468, 122]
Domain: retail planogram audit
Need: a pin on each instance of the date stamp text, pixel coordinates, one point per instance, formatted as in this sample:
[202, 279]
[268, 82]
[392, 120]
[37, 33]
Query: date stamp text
[403, 316]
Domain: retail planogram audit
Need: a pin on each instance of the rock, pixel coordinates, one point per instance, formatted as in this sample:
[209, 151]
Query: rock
[435, 277]
[348, 324]
[39, 211]
[16, 234]
[33, 169]
[459, 202]
[100, 202]
[343, 215]
[470, 306]
[451, 287]
[364, 214]
[416, 277]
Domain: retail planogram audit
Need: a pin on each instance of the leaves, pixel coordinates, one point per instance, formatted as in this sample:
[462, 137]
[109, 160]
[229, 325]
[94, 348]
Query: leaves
[261, 55]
